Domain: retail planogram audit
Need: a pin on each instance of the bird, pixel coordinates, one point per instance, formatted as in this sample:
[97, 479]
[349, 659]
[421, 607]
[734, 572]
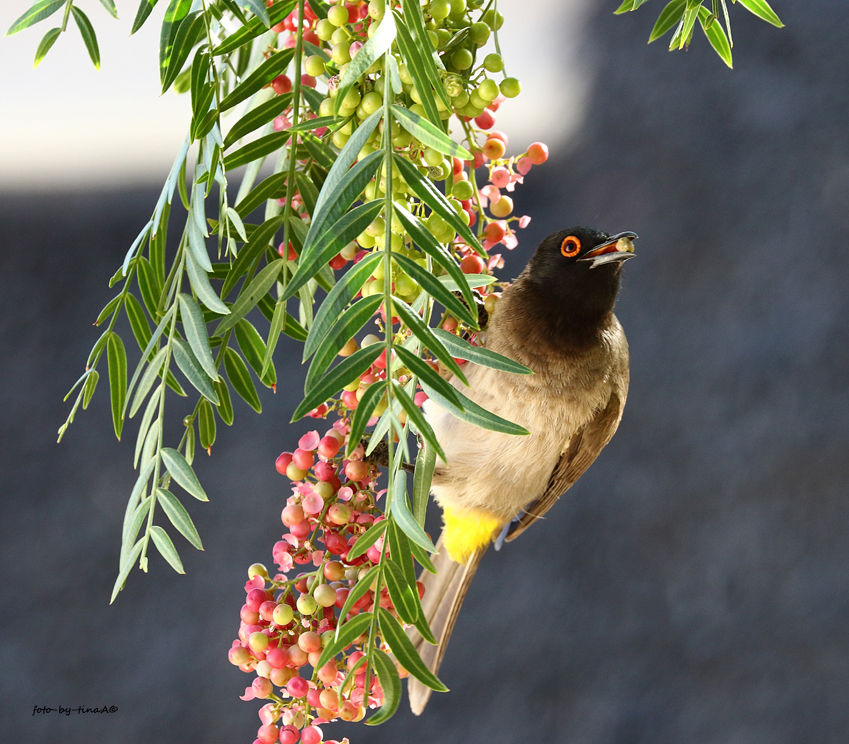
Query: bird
[557, 319]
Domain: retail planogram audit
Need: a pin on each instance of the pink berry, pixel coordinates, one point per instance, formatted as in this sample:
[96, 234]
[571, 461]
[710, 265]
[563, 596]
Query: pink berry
[312, 503]
[335, 543]
[301, 529]
[538, 153]
[356, 470]
[297, 687]
[255, 598]
[420, 398]
[329, 446]
[289, 735]
[268, 733]
[292, 514]
[500, 177]
[262, 687]
[283, 462]
[349, 398]
[266, 609]
[309, 642]
[298, 657]
[238, 655]
[311, 735]
[303, 459]
[248, 616]
[486, 120]
[327, 673]
[324, 471]
[277, 657]
[291, 255]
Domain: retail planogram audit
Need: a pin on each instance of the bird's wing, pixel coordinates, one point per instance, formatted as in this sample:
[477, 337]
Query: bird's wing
[581, 450]
[443, 597]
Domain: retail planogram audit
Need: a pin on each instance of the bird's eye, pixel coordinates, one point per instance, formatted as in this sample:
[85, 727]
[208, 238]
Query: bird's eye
[570, 246]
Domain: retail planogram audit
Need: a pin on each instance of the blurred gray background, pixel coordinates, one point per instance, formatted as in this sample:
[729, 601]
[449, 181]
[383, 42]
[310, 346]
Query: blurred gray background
[691, 589]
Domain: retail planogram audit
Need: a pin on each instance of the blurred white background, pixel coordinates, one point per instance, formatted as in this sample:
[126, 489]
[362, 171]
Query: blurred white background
[66, 124]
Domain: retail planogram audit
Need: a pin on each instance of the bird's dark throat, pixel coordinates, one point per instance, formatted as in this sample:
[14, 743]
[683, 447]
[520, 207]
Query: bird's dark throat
[571, 310]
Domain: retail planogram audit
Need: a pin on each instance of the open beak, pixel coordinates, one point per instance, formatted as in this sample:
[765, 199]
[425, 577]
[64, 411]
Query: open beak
[617, 248]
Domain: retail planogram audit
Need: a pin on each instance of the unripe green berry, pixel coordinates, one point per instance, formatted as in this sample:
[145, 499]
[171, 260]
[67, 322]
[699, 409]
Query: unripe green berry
[339, 54]
[511, 87]
[432, 157]
[338, 15]
[325, 596]
[462, 59]
[493, 19]
[306, 604]
[371, 102]
[282, 614]
[463, 190]
[488, 90]
[439, 9]
[376, 9]
[314, 65]
[493, 62]
[257, 569]
[479, 33]
[458, 7]
[324, 29]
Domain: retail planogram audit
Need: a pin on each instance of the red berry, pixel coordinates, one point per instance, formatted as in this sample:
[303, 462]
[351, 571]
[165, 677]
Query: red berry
[494, 231]
[303, 459]
[292, 254]
[297, 686]
[356, 470]
[255, 598]
[311, 735]
[324, 471]
[267, 733]
[329, 446]
[301, 529]
[289, 735]
[337, 262]
[335, 543]
[292, 514]
[486, 120]
[281, 84]
[472, 265]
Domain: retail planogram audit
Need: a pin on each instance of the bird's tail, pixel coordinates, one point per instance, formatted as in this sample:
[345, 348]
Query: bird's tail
[443, 597]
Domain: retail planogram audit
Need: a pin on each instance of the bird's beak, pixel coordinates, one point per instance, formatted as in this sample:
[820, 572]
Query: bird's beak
[617, 248]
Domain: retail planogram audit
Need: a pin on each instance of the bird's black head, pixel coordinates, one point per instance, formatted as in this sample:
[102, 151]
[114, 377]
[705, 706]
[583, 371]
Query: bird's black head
[575, 275]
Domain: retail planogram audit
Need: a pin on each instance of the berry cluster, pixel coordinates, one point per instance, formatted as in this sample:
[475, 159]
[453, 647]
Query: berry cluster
[286, 622]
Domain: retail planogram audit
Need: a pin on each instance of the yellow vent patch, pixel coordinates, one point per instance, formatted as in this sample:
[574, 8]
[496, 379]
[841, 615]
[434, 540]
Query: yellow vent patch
[466, 531]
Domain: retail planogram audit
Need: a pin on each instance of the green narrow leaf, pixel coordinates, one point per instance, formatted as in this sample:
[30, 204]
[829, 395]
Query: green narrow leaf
[333, 203]
[117, 358]
[89, 37]
[272, 187]
[426, 373]
[415, 22]
[417, 66]
[253, 28]
[174, 15]
[259, 239]
[278, 321]
[331, 242]
[144, 426]
[240, 378]
[253, 349]
[254, 151]
[345, 635]
[249, 297]
[195, 331]
[418, 419]
[199, 281]
[188, 34]
[166, 548]
[428, 134]
[146, 354]
[424, 239]
[206, 424]
[337, 300]
[342, 374]
[108, 309]
[148, 285]
[38, 12]
[371, 51]
[359, 589]
[403, 650]
[425, 335]
[147, 380]
[669, 16]
[365, 408]
[462, 349]
[89, 387]
[365, 541]
[472, 413]
[257, 7]
[268, 70]
[427, 192]
[190, 367]
[422, 478]
[132, 525]
[179, 517]
[407, 523]
[47, 41]
[346, 326]
[716, 36]
[110, 7]
[182, 473]
[331, 189]
[237, 223]
[762, 10]
[399, 592]
[225, 407]
[682, 34]
[257, 117]
[190, 443]
[387, 675]
[145, 8]
[435, 289]
[126, 567]
[624, 8]
[401, 552]
[423, 559]
[321, 153]
[308, 191]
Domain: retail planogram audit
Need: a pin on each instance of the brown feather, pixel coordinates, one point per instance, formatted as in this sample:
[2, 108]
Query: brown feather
[443, 597]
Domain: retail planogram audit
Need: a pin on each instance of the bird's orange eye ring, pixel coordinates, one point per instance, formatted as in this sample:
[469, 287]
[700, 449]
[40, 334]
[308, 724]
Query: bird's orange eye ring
[570, 246]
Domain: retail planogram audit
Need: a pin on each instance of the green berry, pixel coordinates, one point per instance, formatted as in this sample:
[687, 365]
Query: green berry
[493, 19]
[511, 87]
[488, 90]
[439, 9]
[338, 15]
[432, 157]
[462, 59]
[463, 190]
[458, 7]
[479, 33]
[493, 62]
[314, 65]
[324, 29]
[306, 604]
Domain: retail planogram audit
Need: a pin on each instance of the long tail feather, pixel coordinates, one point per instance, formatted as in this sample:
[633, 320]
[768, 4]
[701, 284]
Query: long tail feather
[443, 597]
